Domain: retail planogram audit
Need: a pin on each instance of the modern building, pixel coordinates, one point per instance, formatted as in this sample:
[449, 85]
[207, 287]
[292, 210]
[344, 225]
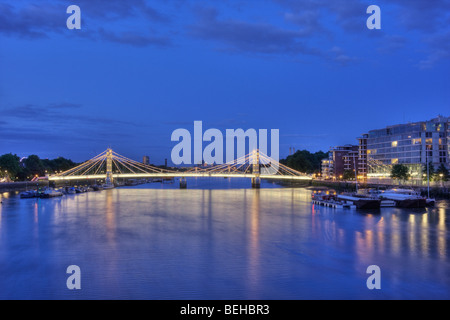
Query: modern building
[411, 144]
[340, 159]
[362, 157]
[327, 169]
[146, 160]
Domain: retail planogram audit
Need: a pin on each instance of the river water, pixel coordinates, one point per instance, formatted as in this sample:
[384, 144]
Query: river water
[218, 239]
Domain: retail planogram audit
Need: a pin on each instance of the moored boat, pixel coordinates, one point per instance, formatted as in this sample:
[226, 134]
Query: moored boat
[51, 193]
[29, 194]
[360, 202]
[69, 190]
[323, 194]
[404, 198]
[97, 187]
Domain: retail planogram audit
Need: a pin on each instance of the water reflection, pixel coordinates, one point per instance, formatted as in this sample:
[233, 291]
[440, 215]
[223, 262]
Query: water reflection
[253, 245]
[218, 244]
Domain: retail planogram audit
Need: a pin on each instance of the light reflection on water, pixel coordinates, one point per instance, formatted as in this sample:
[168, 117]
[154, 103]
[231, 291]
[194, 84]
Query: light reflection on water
[159, 242]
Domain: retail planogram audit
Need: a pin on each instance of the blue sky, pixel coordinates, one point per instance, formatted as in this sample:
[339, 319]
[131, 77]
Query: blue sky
[137, 70]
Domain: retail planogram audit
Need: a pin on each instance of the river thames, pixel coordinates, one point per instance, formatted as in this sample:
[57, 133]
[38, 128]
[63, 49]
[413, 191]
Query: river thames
[218, 239]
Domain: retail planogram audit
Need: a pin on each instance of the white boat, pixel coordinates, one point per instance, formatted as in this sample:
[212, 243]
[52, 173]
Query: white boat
[108, 186]
[404, 198]
[360, 201]
[51, 193]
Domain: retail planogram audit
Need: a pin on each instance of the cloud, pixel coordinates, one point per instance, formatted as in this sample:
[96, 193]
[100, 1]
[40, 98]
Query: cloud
[242, 36]
[440, 50]
[428, 20]
[337, 55]
[62, 123]
[59, 115]
[350, 15]
[30, 21]
[425, 16]
[119, 9]
[134, 38]
[27, 20]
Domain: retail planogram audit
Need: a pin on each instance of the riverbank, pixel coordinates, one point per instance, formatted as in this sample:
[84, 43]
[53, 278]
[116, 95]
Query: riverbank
[21, 186]
[343, 186]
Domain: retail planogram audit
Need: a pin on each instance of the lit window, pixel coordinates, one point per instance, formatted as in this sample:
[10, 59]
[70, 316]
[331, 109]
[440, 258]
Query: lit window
[394, 143]
[394, 161]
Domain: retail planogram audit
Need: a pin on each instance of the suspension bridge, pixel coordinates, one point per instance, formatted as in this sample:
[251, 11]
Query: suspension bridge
[110, 166]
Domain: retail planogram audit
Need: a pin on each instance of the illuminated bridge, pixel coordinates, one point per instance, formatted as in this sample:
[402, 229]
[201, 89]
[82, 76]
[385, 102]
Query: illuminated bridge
[110, 166]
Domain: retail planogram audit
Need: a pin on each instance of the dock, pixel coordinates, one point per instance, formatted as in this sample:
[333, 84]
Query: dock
[335, 205]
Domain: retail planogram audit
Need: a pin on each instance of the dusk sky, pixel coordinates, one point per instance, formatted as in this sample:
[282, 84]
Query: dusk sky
[138, 70]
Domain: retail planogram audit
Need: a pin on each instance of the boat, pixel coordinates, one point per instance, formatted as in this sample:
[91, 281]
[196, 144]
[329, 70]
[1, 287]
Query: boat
[108, 186]
[323, 194]
[360, 201]
[386, 203]
[69, 190]
[79, 190]
[375, 194]
[405, 198]
[51, 193]
[29, 194]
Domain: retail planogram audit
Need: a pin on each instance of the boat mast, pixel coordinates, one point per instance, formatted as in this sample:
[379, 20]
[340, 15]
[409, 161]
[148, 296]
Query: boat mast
[428, 176]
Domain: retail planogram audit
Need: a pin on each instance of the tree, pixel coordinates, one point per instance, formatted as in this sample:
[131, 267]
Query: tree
[429, 170]
[305, 161]
[58, 164]
[34, 165]
[400, 171]
[11, 164]
[349, 175]
[442, 173]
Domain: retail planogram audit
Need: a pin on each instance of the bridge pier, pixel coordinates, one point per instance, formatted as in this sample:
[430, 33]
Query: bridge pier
[256, 182]
[183, 183]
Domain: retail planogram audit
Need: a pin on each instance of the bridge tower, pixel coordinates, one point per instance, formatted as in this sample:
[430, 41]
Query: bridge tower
[256, 180]
[109, 173]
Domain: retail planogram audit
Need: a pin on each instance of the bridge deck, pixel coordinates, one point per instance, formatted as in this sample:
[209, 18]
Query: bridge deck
[178, 175]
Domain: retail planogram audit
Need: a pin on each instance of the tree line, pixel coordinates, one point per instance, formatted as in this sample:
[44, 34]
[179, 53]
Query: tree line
[401, 172]
[305, 161]
[14, 169]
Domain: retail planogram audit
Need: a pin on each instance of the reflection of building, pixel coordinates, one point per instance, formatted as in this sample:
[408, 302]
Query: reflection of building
[339, 160]
[146, 160]
[411, 144]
